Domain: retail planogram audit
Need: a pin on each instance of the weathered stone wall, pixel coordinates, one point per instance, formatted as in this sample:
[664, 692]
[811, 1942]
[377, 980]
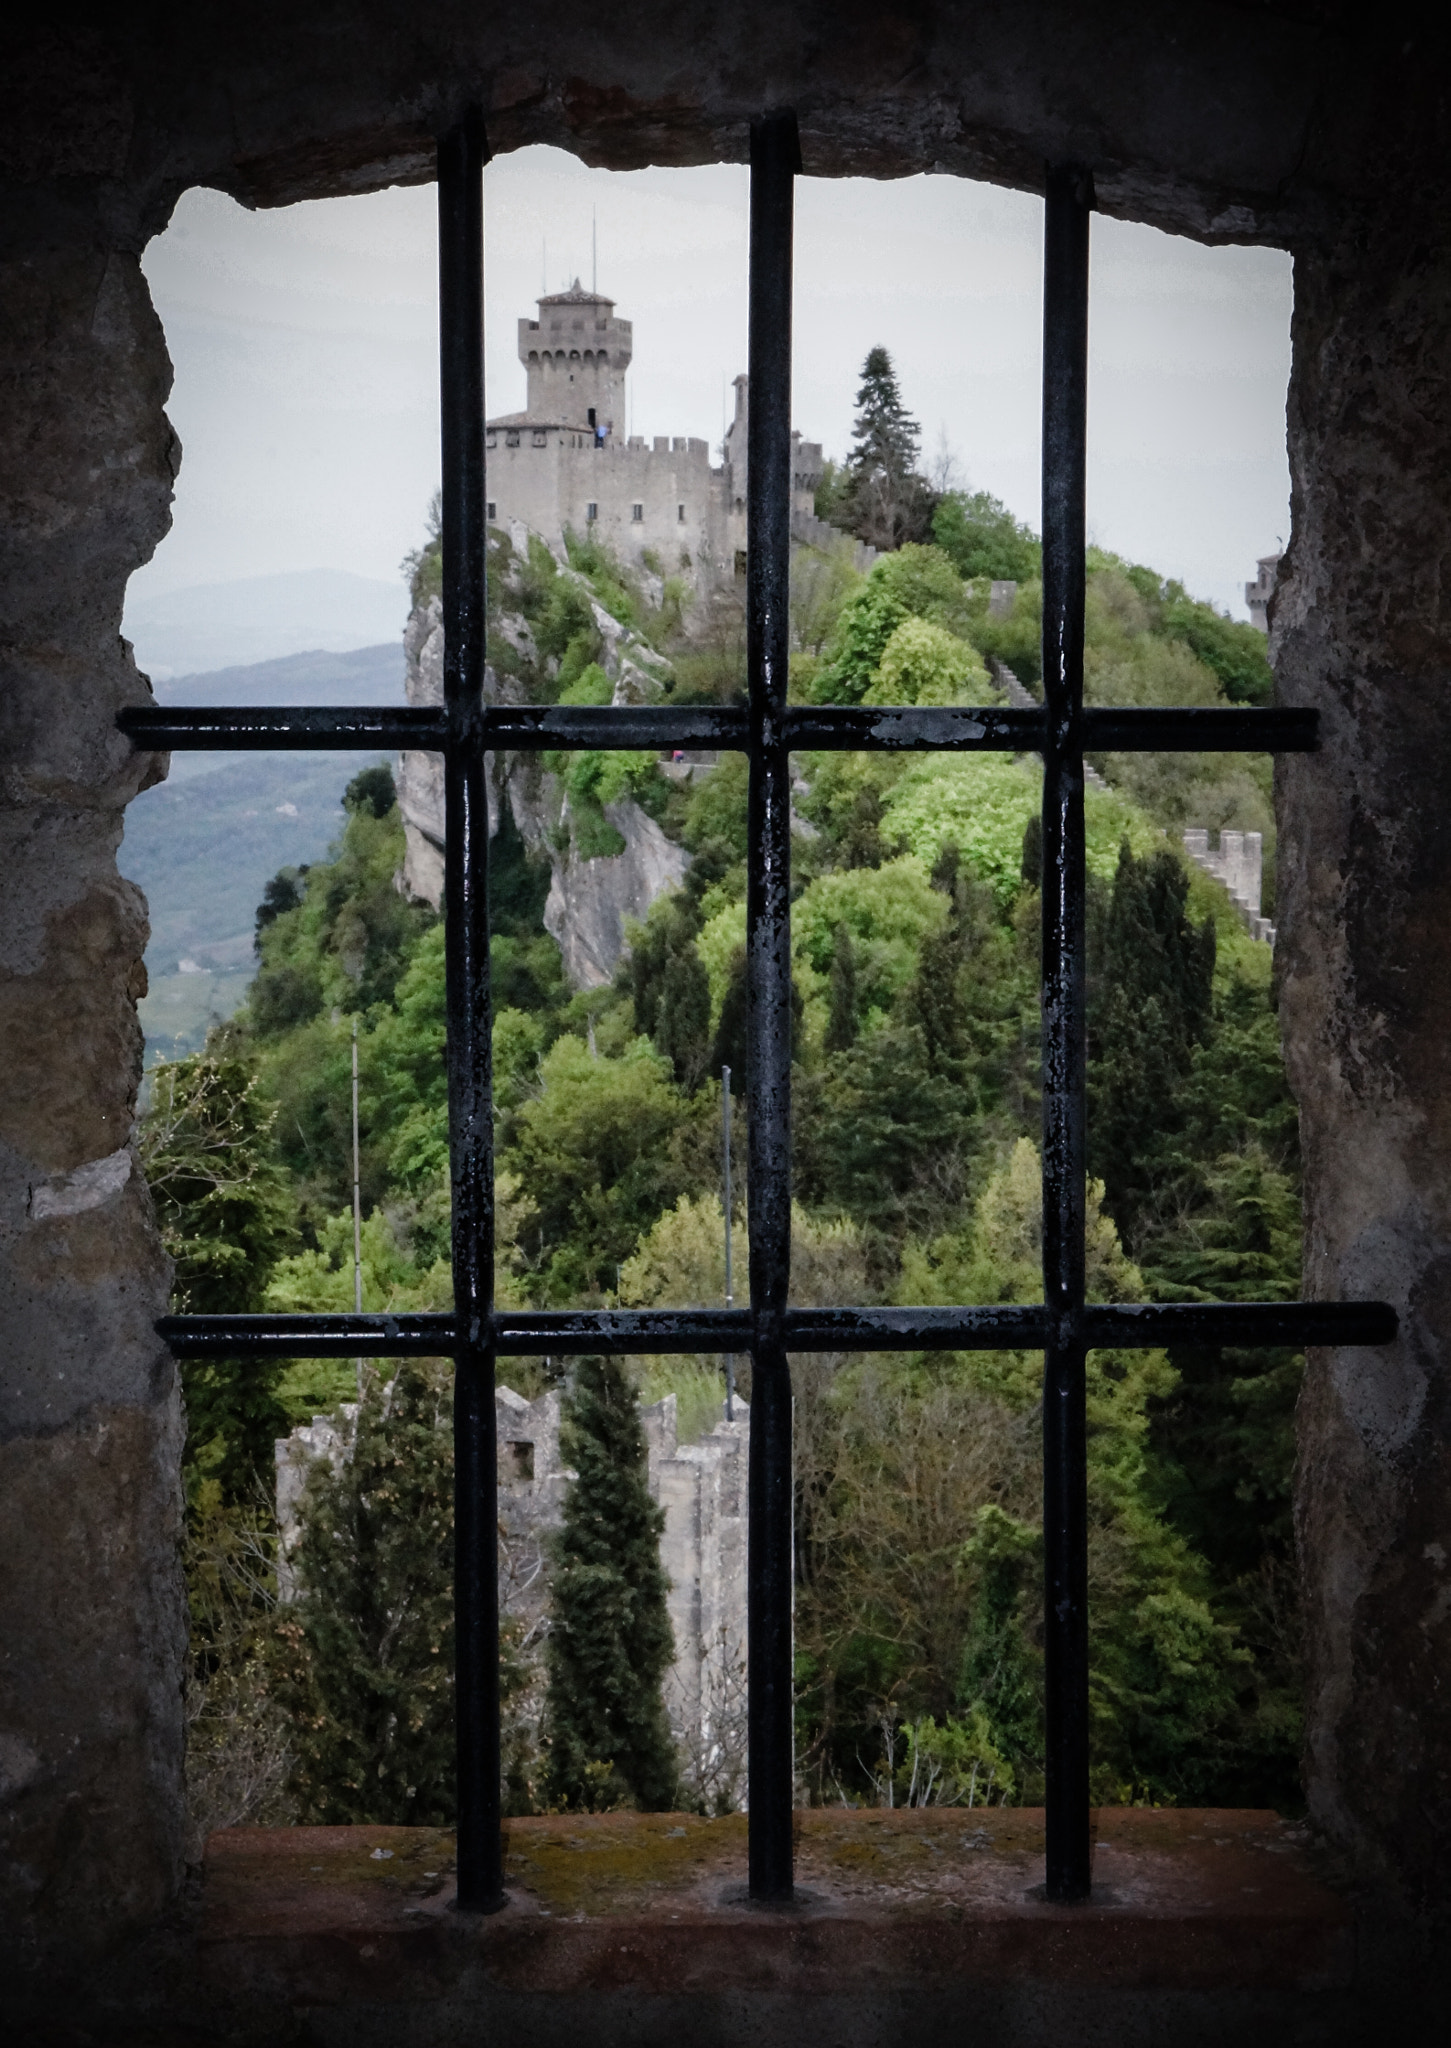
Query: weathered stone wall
[1361, 627]
[1310, 126]
[91, 1629]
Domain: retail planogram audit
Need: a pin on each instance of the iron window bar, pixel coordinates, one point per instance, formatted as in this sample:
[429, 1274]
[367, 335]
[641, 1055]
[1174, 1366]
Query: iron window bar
[1064, 1326]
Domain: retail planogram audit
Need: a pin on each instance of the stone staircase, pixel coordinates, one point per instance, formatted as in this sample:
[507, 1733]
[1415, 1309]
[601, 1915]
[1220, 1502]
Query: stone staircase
[1022, 699]
[1238, 862]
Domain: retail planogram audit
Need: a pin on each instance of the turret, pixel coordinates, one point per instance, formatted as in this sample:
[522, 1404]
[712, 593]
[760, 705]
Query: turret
[576, 355]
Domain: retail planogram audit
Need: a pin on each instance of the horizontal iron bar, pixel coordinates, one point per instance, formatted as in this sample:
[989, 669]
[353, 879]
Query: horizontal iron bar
[1208, 729]
[957, 728]
[245, 728]
[570, 1332]
[533, 728]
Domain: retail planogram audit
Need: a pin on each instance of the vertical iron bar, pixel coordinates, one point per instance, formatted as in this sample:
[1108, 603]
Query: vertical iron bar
[357, 1211]
[462, 154]
[775, 159]
[730, 1292]
[1069, 201]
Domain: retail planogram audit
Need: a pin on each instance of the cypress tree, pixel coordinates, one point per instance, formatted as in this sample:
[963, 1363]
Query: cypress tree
[610, 1639]
[364, 1664]
[1150, 1004]
[841, 1024]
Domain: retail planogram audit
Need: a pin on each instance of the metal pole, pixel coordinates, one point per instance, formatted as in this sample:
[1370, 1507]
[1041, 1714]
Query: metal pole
[357, 1209]
[462, 154]
[775, 159]
[730, 1289]
[1065, 1471]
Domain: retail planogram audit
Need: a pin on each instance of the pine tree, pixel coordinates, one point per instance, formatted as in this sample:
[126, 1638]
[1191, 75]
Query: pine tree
[610, 1640]
[888, 501]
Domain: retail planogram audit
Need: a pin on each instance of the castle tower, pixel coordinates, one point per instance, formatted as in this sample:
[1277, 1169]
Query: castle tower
[576, 355]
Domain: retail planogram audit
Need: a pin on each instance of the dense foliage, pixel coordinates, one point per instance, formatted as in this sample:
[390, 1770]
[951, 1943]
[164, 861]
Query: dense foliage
[915, 935]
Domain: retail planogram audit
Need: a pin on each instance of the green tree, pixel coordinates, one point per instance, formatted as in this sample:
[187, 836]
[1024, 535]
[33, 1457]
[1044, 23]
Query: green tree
[610, 1641]
[592, 1149]
[914, 583]
[364, 1656]
[1151, 989]
[925, 664]
[980, 537]
[841, 1025]
[1225, 1441]
[889, 501]
[205, 1148]
[880, 1133]
[348, 941]
[670, 989]
[372, 790]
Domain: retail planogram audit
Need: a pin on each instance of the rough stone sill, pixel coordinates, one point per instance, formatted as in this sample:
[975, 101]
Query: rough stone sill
[1183, 1900]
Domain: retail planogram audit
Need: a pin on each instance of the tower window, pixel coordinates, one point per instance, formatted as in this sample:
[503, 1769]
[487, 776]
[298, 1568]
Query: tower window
[637, 513]
[591, 513]
[592, 420]
[493, 509]
[680, 514]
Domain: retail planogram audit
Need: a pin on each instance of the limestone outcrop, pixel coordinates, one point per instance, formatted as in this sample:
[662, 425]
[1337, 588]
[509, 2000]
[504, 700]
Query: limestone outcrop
[591, 896]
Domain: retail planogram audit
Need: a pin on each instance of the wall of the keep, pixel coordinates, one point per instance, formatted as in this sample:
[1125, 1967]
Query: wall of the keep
[549, 479]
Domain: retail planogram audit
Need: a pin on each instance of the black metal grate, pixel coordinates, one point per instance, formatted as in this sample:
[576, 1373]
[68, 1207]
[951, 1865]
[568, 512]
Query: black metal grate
[1064, 1327]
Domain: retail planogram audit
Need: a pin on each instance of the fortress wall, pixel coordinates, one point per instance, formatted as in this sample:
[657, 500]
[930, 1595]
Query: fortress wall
[551, 487]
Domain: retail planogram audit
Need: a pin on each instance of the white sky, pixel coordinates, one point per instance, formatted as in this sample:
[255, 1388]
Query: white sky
[305, 347]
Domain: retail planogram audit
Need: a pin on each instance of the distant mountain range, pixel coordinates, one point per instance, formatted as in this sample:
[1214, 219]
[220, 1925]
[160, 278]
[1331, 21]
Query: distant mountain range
[204, 843]
[216, 626]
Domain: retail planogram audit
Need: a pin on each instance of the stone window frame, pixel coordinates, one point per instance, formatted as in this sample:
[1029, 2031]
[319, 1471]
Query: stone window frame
[1064, 1325]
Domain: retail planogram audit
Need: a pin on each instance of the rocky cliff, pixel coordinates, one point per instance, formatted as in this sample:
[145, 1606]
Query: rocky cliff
[591, 893]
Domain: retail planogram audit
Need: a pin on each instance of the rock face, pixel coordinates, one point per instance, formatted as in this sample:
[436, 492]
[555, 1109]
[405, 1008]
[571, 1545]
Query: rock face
[590, 899]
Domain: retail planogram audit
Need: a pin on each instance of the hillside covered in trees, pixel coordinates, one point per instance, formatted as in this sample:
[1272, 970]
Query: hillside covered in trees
[915, 932]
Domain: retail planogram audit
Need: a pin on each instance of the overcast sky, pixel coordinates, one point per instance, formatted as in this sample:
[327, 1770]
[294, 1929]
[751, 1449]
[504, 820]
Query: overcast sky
[305, 348]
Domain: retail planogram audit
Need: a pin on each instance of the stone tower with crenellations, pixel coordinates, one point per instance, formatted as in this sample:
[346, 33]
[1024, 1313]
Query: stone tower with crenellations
[568, 463]
[576, 355]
